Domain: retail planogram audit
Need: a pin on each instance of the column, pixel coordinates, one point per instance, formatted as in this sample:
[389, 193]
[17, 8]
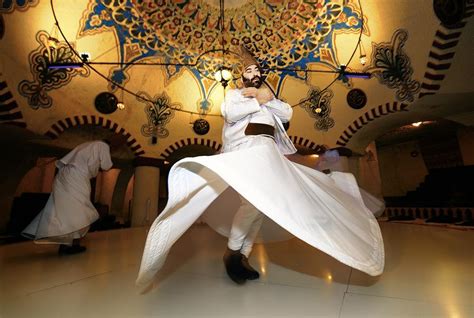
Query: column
[145, 191]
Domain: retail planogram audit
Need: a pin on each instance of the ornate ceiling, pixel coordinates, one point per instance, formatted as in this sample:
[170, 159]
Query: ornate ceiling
[418, 52]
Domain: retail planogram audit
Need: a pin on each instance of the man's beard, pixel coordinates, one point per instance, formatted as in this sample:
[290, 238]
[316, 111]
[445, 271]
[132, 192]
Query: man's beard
[256, 81]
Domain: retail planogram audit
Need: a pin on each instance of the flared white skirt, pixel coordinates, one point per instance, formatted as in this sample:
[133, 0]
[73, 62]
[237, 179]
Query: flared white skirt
[325, 211]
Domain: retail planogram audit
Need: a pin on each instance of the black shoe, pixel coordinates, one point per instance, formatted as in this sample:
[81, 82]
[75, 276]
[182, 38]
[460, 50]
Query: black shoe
[234, 267]
[69, 250]
[250, 272]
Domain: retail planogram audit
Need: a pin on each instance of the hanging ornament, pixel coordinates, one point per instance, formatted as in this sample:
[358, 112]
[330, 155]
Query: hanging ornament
[106, 103]
[201, 126]
[356, 98]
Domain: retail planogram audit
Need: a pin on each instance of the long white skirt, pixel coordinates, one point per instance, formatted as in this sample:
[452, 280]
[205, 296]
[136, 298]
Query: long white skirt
[68, 211]
[325, 211]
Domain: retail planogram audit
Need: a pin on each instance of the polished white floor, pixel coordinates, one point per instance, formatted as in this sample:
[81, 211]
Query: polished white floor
[429, 273]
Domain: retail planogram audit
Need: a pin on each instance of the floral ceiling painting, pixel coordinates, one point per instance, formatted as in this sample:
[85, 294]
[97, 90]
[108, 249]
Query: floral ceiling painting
[286, 34]
[333, 61]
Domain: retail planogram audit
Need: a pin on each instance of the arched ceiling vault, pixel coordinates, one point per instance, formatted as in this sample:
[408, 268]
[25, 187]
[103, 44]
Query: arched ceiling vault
[419, 55]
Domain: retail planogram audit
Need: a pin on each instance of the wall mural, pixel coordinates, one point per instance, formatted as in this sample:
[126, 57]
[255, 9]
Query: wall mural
[318, 106]
[392, 66]
[159, 113]
[45, 79]
[8, 6]
[285, 33]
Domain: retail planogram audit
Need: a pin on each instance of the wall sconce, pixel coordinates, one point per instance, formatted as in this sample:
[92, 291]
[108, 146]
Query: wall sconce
[223, 75]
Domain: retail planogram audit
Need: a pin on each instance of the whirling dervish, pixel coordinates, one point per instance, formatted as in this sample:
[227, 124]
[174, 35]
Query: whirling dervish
[325, 211]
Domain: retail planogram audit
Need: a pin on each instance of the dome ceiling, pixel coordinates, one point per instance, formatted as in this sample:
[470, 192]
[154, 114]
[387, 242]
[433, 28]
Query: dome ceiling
[280, 33]
[420, 66]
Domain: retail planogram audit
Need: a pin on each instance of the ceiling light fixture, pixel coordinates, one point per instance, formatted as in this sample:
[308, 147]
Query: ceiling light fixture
[53, 42]
[85, 57]
[344, 75]
[65, 65]
[53, 37]
[362, 55]
[121, 103]
[341, 72]
[223, 75]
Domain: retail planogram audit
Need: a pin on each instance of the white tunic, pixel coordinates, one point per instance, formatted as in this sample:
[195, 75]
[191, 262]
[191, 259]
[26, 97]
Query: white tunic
[239, 111]
[326, 212]
[69, 210]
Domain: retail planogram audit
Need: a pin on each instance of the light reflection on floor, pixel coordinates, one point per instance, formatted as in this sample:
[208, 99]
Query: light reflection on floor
[429, 273]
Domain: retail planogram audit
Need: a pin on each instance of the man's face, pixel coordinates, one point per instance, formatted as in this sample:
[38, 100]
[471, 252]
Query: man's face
[252, 77]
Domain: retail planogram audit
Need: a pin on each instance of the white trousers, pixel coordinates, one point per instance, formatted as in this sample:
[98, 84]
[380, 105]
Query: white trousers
[245, 225]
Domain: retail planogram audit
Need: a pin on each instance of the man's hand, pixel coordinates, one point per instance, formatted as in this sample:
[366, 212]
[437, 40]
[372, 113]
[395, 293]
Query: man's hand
[249, 92]
[264, 95]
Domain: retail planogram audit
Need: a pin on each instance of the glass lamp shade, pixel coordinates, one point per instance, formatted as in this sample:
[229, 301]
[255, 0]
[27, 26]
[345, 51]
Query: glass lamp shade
[53, 42]
[218, 75]
[223, 74]
[226, 75]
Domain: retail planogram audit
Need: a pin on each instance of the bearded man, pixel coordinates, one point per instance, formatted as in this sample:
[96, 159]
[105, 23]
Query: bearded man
[250, 114]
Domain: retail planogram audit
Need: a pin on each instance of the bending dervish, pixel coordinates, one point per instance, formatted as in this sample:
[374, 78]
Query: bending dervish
[324, 210]
[69, 212]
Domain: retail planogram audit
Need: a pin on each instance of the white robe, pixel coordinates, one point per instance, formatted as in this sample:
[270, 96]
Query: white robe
[238, 112]
[69, 211]
[326, 212]
[331, 161]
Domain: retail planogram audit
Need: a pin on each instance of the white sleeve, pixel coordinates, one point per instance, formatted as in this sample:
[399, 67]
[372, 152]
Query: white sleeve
[236, 106]
[280, 109]
[104, 155]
